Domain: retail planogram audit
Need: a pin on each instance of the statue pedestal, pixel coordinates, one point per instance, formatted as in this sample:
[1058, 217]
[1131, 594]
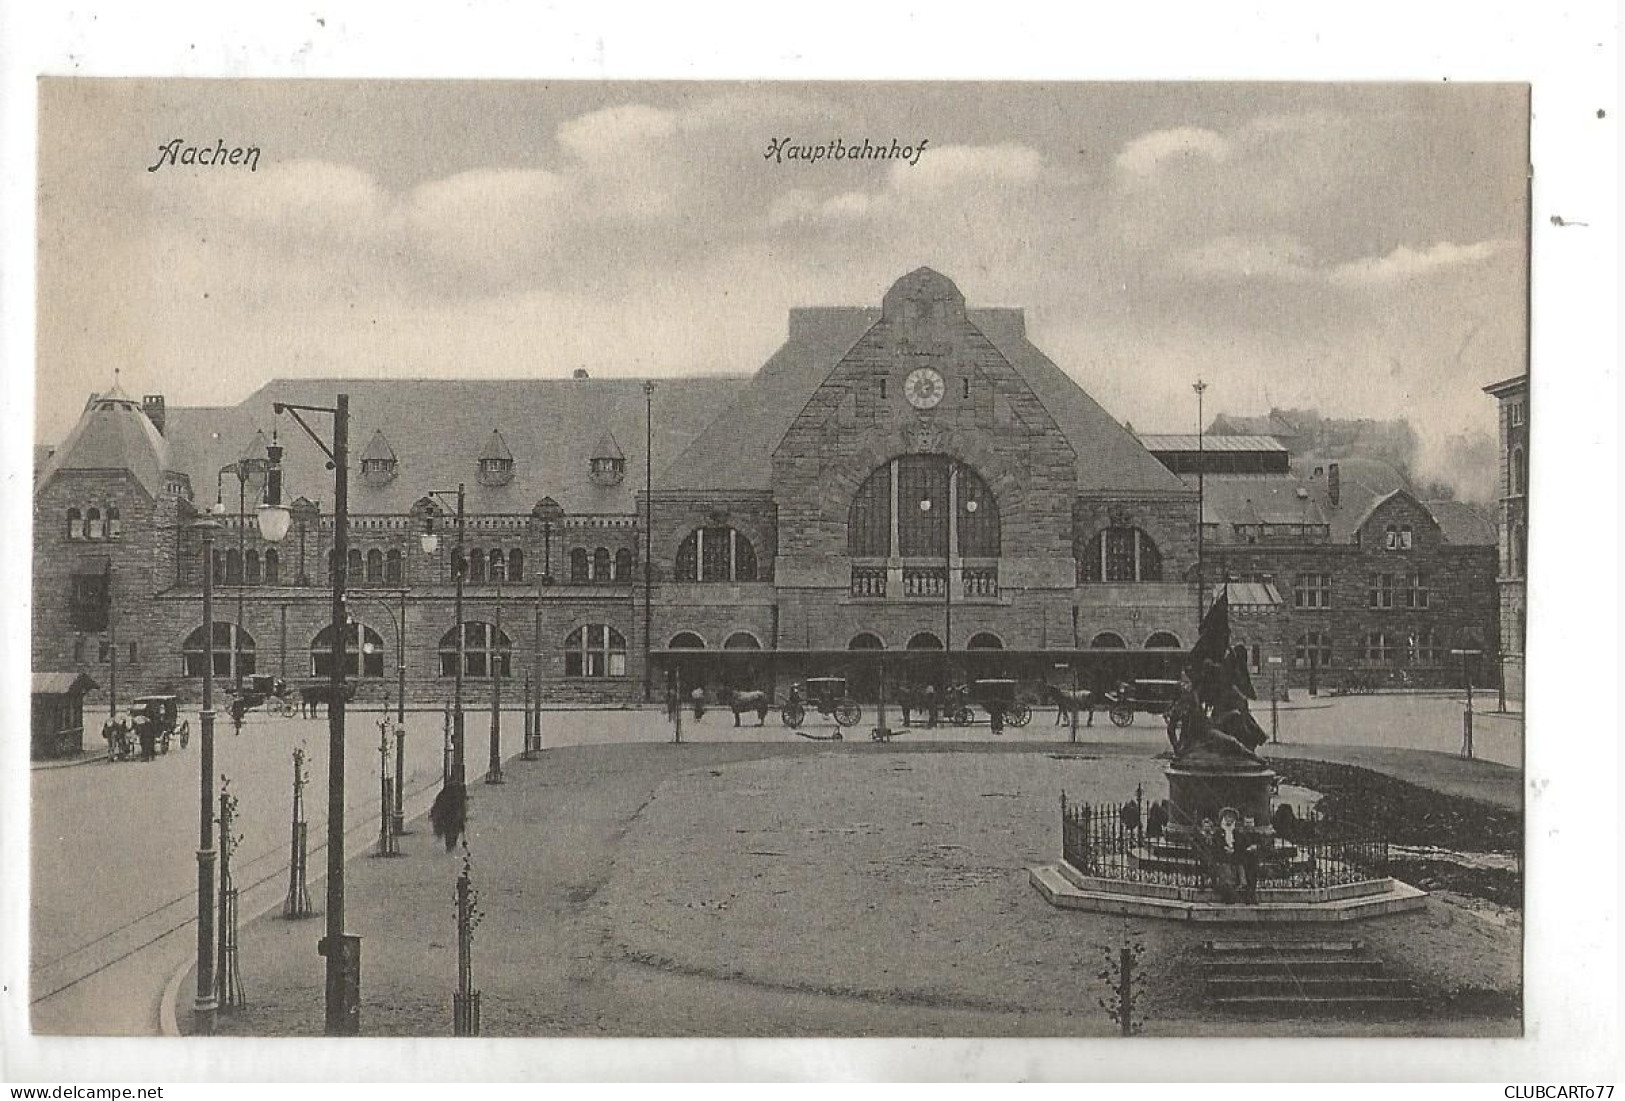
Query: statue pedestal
[1201, 791]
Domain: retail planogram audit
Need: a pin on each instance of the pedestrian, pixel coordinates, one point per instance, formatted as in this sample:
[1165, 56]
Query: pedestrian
[929, 694]
[148, 737]
[995, 717]
[697, 697]
[671, 703]
[905, 699]
[1156, 819]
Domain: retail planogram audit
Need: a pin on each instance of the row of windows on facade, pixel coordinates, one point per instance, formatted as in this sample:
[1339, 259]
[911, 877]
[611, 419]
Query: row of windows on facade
[1385, 590]
[95, 523]
[593, 650]
[1424, 647]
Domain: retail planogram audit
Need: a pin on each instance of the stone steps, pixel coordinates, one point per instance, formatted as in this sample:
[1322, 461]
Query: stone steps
[1063, 887]
[1301, 978]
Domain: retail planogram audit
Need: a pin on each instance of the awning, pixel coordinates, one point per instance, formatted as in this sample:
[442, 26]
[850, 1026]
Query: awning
[62, 684]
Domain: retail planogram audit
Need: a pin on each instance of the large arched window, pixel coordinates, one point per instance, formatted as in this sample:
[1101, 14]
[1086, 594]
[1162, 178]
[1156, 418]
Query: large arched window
[1108, 640]
[716, 554]
[476, 567]
[580, 568]
[623, 564]
[355, 564]
[483, 647]
[363, 652]
[375, 567]
[516, 565]
[985, 640]
[251, 568]
[596, 650]
[741, 640]
[925, 640]
[93, 523]
[686, 640]
[499, 565]
[601, 568]
[866, 640]
[938, 500]
[76, 522]
[230, 653]
[1162, 640]
[1121, 554]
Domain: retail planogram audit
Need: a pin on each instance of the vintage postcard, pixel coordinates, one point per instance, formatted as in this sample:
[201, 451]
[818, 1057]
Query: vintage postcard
[578, 559]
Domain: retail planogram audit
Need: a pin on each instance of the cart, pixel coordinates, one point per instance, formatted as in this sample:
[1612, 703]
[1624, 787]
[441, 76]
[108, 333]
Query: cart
[1152, 697]
[826, 695]
[993, 691]
[123, 732]
[262, 689]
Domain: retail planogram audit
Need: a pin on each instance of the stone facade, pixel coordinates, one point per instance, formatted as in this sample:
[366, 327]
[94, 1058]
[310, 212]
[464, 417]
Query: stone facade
[1513, 551]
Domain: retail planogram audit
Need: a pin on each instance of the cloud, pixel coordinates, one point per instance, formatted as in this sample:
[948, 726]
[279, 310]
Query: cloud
[1284, 258]
[1142, 158]
[608, 135]
[1405, 264]
[956, 167]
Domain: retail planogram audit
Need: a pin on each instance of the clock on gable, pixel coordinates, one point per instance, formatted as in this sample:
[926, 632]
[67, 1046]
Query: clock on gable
[924, 388]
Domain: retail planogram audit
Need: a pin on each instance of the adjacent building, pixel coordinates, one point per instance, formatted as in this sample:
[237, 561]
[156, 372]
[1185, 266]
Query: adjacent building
[1511, 582]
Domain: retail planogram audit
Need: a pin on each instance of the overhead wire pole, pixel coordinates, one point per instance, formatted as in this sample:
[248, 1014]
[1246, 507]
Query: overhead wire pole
[1201, 501]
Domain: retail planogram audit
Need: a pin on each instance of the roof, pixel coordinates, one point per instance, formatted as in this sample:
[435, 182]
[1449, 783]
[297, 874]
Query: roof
[378, 449]
[437, 429]
[736, 449]
[113, 433]
[607, 448]
[1269, 424]
[1463, 524]
[1178, 442]
[1261, 499]
[1508, 386]
[496, 449]
[62, 684]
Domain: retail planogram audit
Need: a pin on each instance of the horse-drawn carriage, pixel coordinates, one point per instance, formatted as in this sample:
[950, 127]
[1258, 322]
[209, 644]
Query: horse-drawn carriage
[151, 720]
[1153, 697]
[826, 695]
[262, 689]
[990, 693]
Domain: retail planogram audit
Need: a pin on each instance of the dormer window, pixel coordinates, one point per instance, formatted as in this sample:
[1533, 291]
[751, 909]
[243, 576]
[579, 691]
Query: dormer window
[608, 462]
[496, 461]
[378, 463]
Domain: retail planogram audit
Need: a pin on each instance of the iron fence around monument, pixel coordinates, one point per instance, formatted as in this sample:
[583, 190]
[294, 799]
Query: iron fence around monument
[1110, 842]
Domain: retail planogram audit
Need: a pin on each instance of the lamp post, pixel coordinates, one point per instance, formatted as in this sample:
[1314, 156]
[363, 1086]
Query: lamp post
[242, 470]
[203, 1006]
[1201, 500]
[493, 770]
[648, 528]
[548, 511]
[397, 814]
[342, 951]
[456, 782]
[112, 645]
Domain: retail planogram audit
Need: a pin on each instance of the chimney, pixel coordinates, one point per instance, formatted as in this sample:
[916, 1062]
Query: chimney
[1334, 484]
[153, 406]
[579, 374]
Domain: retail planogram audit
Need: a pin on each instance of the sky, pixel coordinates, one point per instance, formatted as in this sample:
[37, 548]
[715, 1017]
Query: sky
[1360, 248]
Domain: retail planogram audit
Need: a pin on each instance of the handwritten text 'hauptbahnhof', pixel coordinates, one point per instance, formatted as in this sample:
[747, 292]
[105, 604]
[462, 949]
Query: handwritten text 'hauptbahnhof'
[780, 150]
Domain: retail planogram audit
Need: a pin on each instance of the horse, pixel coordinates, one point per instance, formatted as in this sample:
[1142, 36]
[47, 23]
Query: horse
[1067, 703]
[116, 731]
[742, 702]
[312, 696]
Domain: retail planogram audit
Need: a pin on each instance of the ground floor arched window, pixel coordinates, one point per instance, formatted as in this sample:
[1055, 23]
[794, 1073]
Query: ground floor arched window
[686, 640]
[741, 640]
[925, 640]
[595, 650]
[1162, 640]
[230, 652]
[1108, 640]
[484, 649]
[363, 652]
[985, 640]
[866, 640]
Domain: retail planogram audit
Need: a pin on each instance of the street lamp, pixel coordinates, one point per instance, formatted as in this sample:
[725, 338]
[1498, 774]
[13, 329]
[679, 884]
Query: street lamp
[450, 807]
[203, 1006]
[548, 512]
[342, 951]
[243, 469]
[648, 528]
